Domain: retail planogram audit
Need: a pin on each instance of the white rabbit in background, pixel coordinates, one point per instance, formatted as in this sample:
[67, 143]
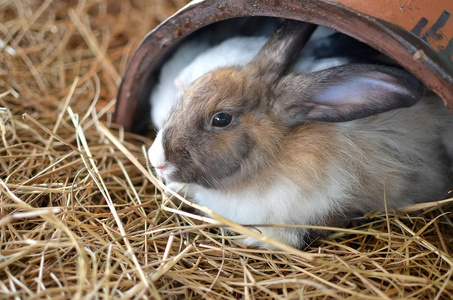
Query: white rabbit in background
[165, 93]
[236, 51]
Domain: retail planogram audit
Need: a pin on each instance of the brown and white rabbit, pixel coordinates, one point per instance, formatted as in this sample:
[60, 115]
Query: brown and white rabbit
[261, 145]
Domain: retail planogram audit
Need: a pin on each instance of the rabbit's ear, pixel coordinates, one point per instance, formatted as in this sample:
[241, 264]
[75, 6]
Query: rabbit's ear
[280, 52]
[344, 93]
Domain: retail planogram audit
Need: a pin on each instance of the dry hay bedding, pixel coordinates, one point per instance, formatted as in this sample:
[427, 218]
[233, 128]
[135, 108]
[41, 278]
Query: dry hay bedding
[81, 219]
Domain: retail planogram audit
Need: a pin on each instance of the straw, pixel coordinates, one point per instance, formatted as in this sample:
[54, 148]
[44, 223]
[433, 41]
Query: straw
[83, 217]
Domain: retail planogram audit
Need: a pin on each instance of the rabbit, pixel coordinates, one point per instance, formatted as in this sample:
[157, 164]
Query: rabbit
[261, 144]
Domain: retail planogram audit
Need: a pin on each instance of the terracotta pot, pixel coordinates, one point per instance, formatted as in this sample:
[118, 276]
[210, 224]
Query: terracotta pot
[415, 33]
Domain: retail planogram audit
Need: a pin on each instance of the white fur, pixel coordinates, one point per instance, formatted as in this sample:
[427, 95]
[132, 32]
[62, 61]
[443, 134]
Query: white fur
[156, 152]
[165, 93]
[234, 51]
[164, 169]
[157, 158]
[282, 202]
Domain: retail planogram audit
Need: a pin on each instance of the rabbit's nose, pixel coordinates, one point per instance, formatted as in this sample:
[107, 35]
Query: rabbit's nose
[165, 170]
[161, 167]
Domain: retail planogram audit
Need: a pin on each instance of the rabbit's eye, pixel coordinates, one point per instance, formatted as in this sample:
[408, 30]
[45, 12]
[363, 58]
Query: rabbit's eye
[221, 119]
